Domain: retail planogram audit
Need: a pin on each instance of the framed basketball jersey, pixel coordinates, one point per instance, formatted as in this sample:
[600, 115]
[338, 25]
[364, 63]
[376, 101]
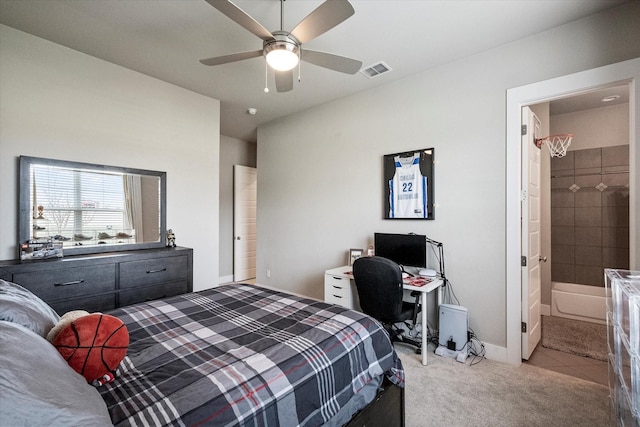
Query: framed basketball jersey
[408, 183]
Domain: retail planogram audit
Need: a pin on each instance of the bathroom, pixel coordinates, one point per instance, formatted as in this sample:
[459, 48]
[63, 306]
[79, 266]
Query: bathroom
[585, 215]
[589, 203]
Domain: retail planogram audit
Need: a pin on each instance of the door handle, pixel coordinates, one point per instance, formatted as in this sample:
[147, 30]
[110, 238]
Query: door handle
[542, 258]
[237, 237]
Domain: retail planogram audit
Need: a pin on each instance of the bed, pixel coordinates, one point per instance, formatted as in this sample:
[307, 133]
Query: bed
[234, 355]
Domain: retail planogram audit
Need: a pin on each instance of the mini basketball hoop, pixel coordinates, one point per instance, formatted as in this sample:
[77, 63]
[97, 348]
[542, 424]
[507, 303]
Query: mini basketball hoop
[557, 144]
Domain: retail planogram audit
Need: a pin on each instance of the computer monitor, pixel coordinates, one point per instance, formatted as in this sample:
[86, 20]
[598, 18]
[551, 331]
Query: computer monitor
[408, 250]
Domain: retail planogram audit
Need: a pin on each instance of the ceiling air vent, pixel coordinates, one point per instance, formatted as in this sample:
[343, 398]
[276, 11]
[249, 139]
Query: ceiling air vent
[376, 69]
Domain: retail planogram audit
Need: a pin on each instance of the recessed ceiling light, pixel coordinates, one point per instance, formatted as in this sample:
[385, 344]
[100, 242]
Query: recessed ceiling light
[610, 98]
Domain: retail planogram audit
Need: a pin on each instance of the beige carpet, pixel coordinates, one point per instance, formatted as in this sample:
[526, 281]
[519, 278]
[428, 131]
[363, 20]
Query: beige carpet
[449, 393]
[574, 336]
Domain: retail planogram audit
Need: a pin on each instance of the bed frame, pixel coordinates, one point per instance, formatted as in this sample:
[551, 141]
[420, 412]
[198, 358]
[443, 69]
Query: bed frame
[387, 409]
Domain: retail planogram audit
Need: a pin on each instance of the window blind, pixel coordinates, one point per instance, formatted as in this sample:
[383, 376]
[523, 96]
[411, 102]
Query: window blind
[77, 202]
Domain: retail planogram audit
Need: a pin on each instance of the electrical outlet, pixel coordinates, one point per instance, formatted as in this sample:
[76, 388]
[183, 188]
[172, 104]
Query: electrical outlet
[268, 273]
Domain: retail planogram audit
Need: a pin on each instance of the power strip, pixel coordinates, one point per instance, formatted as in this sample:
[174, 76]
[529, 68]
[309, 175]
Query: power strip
[460, 356]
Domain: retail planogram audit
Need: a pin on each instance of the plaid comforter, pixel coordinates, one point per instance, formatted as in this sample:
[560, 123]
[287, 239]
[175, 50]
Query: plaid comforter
[247, 356]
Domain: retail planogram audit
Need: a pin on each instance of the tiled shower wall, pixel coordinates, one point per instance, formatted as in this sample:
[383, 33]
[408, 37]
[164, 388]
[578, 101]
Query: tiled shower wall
[589, 214]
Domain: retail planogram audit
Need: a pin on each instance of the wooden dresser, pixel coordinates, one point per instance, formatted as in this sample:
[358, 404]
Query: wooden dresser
[105, 281]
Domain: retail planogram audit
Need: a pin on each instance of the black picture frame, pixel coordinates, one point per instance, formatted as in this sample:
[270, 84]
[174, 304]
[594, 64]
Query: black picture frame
[423, 197]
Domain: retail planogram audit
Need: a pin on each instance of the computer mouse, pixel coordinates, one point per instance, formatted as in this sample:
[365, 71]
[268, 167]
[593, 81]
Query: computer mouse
[428, 272]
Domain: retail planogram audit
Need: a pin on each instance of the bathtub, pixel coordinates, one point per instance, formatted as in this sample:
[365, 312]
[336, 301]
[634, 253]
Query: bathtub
[579, 302]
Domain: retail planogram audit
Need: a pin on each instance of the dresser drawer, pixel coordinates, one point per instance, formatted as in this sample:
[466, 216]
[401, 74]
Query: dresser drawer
[337, 285]
[92, 304]
[157, 270]
[104, 281]
[149, 293]
[71, 282]
[337, 290]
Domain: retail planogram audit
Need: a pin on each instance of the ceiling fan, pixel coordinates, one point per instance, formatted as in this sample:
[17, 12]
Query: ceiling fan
[283, 49]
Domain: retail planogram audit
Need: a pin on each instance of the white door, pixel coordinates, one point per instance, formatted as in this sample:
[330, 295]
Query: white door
[530, 211]
[245, 186]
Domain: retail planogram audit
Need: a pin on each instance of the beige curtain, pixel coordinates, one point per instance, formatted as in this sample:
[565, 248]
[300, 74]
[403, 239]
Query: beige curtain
[133, 205]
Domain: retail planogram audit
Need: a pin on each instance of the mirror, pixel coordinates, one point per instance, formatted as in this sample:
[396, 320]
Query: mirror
[91, 208]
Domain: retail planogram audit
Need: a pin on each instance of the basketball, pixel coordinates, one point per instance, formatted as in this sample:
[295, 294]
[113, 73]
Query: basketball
[93, 345]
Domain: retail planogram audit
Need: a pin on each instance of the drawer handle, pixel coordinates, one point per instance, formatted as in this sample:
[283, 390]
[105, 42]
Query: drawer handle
[336, 287]
[337, 296]
[157, 271]
[151, 299]
[75, 282]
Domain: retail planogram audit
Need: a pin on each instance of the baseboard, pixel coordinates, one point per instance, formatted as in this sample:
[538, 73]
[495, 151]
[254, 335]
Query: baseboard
[499, 354]
[495, 352]
[545, 309]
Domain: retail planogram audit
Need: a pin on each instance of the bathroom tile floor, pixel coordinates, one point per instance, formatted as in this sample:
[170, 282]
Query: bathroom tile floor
[570, 364]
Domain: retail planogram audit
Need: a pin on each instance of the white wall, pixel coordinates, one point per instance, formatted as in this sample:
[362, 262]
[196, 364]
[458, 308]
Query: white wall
[320, 175]
[59, 103]
[233, 151]
[596, 128]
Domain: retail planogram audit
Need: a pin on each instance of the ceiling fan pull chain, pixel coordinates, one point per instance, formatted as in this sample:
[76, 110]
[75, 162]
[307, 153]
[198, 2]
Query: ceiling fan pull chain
[299, 65]
[266, 77]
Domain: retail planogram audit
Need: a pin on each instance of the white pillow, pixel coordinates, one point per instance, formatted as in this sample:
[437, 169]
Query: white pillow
[38, 386]
[19, 305]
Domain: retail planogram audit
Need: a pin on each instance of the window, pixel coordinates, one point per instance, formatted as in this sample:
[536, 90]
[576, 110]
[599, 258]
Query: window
[83, 205]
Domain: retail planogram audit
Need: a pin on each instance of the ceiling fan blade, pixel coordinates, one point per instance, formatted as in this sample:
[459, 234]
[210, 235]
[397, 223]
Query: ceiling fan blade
[322, 19]
[331, 61]
[241, 17]
[284, 81]
[218, 60]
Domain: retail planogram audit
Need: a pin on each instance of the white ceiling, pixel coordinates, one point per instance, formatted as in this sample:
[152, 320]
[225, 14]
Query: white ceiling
[590, 100]
[165, 39]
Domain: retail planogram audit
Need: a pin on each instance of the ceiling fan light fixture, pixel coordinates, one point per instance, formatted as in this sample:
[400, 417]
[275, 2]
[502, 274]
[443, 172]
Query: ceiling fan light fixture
[282, 59]
[282, 52]
[282, 49]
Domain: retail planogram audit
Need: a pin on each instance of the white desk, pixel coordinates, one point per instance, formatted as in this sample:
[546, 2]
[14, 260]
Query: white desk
[340, 288]
[424, 290]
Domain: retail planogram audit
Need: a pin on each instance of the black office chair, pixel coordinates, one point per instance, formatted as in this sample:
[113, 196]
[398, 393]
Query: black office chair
[379, 284]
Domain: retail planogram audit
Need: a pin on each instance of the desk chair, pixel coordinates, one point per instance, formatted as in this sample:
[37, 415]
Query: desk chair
[379, 284]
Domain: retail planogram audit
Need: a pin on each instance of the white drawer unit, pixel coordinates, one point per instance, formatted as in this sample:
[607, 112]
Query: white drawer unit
[339, 287]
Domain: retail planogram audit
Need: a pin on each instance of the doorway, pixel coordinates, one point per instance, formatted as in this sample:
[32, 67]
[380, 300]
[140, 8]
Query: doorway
[627, 72]
[245, 191]
[586, 227]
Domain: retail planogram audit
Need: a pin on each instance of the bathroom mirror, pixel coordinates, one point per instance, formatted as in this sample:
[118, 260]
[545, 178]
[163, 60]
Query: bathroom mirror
[91, 208]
